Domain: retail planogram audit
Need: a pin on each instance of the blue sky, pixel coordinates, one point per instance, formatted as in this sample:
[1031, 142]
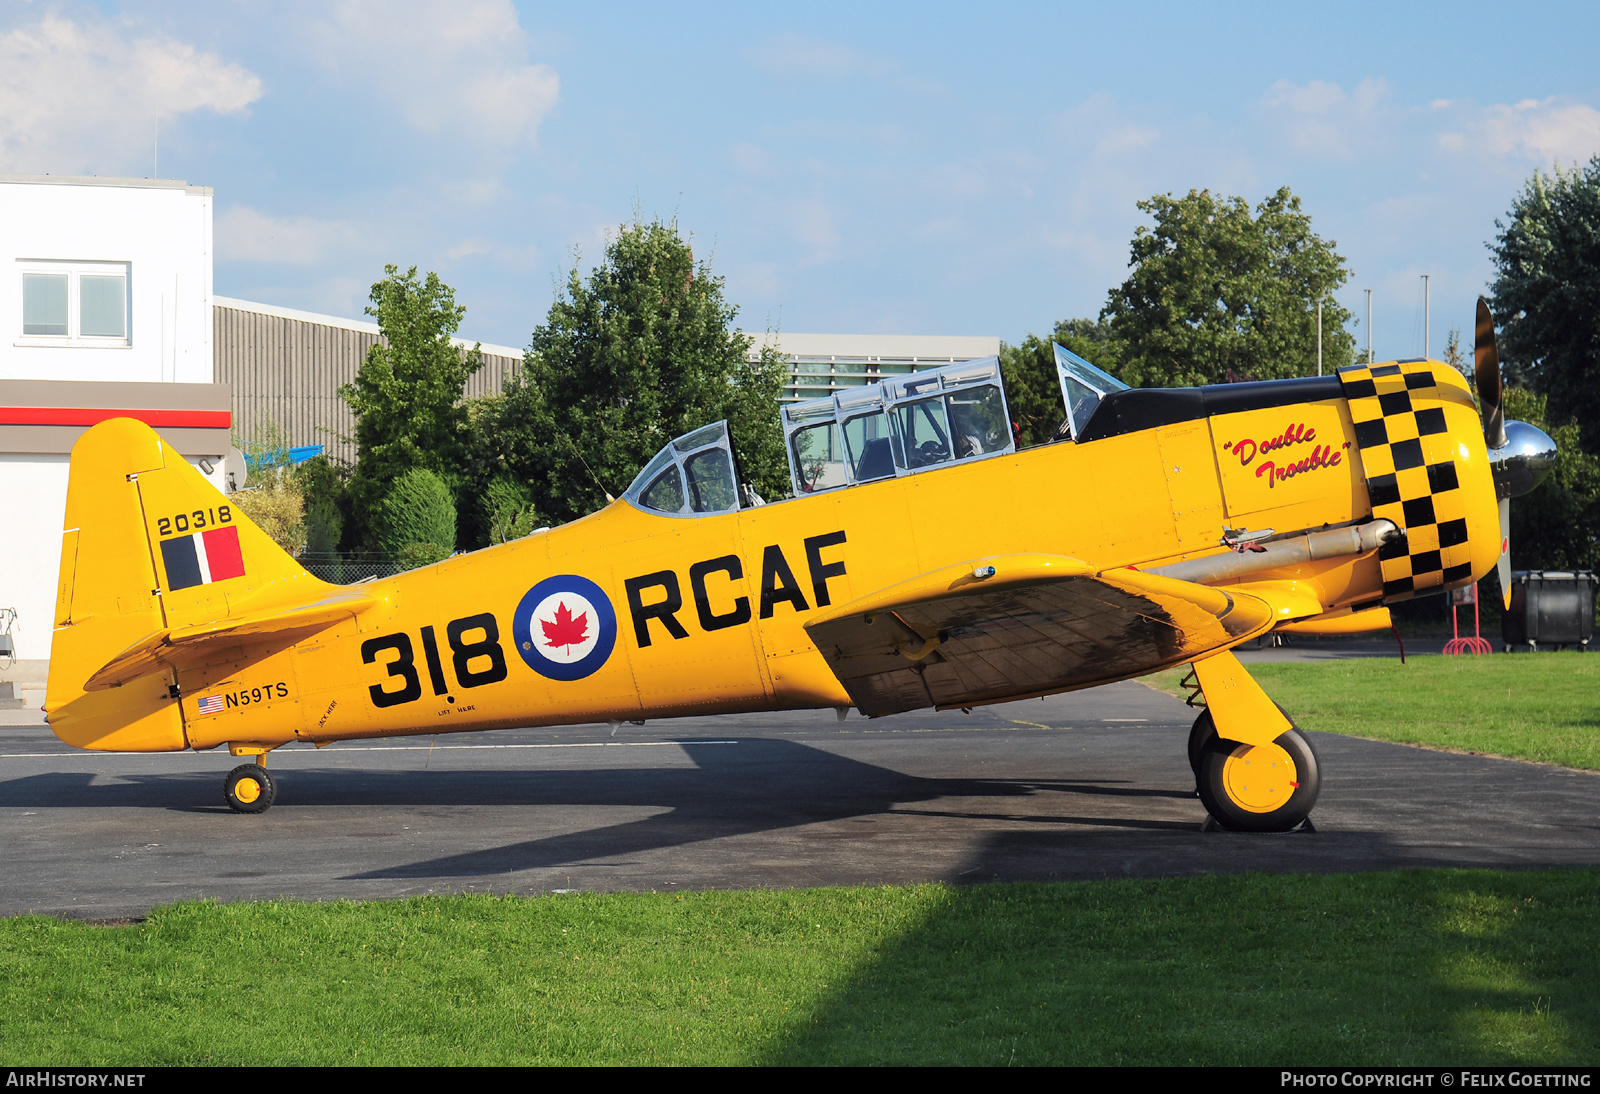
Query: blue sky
[885, 168]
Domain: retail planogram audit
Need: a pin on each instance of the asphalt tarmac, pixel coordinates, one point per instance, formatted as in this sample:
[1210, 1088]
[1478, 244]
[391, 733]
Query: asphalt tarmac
[1089, 785]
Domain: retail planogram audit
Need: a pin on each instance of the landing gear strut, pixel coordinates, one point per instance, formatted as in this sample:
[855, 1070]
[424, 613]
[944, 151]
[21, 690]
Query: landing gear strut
[1254, 788]
[250, 788]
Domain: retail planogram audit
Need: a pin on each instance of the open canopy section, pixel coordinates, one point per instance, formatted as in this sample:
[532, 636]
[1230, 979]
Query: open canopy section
[900, 426]
[692, 476]
[1082, 388]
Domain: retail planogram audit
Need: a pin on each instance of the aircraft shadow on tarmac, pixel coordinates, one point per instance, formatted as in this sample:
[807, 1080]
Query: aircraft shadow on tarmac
[754, 786]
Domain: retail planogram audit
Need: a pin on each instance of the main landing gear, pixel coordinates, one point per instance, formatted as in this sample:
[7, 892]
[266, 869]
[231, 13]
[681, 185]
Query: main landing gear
[1264, 776]
[1254, 788]
[250, 788]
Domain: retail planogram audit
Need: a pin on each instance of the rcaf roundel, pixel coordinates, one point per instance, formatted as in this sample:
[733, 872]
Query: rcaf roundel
[565, 627]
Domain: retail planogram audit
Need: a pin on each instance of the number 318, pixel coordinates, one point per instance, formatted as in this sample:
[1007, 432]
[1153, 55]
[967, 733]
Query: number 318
[464, 657]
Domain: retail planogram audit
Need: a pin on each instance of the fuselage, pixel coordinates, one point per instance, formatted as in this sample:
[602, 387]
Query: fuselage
[629, 614]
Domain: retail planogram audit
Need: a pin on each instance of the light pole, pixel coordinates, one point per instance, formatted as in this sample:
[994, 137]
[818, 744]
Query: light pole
[1369, 325]
[1319, 338]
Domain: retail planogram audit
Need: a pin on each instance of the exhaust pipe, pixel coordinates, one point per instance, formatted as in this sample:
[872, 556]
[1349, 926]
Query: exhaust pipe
[1306, 547]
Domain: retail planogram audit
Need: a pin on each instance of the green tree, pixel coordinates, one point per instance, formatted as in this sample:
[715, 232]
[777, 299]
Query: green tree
[326, 499]
[641, 352]
[1546, 293]
[1557, 526]
[506, 510]
[416, 520]
[407, 395]
[1217, 295]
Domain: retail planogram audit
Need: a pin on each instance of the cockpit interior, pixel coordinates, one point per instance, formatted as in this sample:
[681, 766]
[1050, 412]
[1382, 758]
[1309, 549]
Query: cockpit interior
[901, 425]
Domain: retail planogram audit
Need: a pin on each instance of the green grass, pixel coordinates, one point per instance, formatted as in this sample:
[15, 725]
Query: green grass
[1415, 967]
[1543, 707]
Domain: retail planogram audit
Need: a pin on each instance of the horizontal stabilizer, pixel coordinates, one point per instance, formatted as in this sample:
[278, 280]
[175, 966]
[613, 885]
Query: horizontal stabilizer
[183, 647]
[1017, 626]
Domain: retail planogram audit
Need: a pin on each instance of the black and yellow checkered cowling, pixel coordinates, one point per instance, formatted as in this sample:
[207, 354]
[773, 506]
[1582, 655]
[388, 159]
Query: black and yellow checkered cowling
[1409, 457]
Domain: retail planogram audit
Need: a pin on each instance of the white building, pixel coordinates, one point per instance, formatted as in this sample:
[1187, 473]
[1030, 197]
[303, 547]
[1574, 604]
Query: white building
[823, 363]
[105, 311]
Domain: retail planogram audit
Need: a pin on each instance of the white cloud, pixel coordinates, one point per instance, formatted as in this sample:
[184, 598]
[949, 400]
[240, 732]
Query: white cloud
[447, 67]
[85, 96]
[245, 235]
[1550, 131]
[1321, 118]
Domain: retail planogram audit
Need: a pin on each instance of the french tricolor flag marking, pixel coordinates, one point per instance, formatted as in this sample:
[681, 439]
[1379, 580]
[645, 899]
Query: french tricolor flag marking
[202, 558]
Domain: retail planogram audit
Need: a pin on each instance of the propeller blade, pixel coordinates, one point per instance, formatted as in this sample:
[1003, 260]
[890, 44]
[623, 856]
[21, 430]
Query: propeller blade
[1486, 368]
[1503, 567]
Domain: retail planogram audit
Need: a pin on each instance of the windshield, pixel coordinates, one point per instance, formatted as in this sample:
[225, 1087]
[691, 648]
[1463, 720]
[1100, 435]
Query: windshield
[1082, 387]
[692, 476]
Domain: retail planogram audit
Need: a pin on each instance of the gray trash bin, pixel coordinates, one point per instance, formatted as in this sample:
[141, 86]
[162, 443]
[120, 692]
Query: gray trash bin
[1549, 607]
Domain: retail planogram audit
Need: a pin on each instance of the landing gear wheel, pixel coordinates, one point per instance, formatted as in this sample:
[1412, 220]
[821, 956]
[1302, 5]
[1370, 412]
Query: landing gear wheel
[1259, 788]
[249, 788]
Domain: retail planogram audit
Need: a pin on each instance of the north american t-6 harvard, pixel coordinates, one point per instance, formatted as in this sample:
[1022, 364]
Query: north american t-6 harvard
[923, 561]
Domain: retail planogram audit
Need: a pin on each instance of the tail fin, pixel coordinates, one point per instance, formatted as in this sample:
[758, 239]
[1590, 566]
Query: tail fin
[151, 549]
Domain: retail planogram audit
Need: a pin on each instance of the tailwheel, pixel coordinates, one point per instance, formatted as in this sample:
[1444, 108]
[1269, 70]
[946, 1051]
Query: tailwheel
[249, 788]
[1258, 788]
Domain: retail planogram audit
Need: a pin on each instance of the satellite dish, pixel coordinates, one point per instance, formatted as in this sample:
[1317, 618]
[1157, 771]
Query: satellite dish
[235, 471]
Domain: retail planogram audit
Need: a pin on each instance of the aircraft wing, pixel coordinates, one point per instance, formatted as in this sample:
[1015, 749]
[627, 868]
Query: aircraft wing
[1037, 624]
[185, 646]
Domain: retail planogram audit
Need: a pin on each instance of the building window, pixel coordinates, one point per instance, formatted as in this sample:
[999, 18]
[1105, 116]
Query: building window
[75, 303]
[44, 304]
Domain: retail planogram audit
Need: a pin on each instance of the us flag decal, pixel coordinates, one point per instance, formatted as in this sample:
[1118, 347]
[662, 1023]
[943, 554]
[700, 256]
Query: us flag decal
[210, 704]
[202, 558]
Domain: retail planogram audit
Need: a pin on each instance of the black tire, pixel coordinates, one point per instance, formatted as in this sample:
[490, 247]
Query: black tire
[1199, 736]
[1244, 804]
[249, 788]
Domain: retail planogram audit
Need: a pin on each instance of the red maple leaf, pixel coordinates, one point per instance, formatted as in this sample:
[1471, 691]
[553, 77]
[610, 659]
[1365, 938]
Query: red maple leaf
[566, 631]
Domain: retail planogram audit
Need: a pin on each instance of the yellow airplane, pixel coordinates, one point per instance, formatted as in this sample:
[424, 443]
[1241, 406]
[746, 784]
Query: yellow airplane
[923, 562]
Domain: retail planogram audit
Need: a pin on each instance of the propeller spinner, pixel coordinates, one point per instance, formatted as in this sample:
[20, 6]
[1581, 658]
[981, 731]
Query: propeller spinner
[1520, 455]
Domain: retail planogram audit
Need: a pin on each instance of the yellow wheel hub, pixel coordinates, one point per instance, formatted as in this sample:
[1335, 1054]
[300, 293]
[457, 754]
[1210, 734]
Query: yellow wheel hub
[247, 790]
[1259, 778]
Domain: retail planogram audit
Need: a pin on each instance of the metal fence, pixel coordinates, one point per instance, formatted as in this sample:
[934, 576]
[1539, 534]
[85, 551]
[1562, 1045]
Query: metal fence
[338, 569]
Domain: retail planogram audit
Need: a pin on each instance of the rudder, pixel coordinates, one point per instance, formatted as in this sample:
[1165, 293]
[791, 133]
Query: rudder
[149, 546]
